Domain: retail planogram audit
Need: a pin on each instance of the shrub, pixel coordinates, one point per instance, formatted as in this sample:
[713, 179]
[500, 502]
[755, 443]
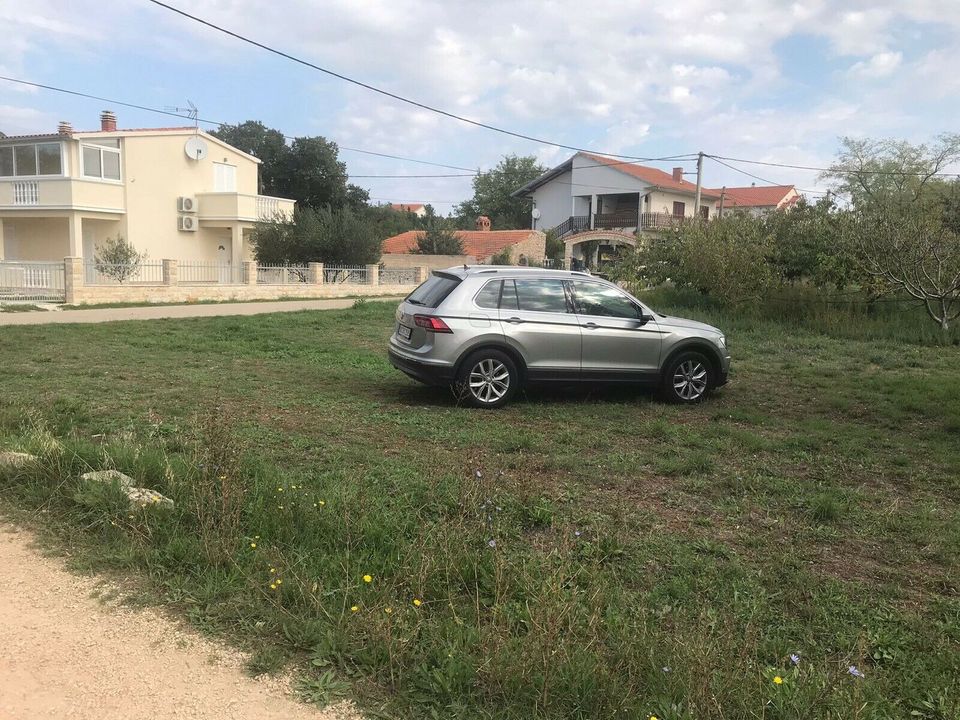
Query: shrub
[118, 258]
[341, 237]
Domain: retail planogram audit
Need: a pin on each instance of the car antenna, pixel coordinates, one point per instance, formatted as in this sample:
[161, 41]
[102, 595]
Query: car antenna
[465, 266]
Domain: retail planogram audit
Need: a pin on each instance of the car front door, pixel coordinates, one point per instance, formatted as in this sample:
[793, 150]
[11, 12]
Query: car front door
[618, 342]
[538, 320]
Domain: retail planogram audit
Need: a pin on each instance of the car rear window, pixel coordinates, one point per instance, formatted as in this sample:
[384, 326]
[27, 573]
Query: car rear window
[433, 291]
[489, 296]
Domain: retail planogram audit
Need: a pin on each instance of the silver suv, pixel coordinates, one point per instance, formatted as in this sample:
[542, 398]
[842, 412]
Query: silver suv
[489, 330]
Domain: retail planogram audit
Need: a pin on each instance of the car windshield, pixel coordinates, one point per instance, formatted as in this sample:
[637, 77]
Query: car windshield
[433, 291]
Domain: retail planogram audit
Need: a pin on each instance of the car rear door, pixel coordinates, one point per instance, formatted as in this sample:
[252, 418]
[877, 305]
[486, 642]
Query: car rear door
[538, 320]
[618, 343]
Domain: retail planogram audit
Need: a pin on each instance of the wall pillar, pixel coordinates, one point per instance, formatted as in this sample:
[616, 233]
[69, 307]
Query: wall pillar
[316, 273]
[423, 272]
[373, 274]
[72, 278]
[593, 210]
[236, 245]
[171, 272]
[249, 272]
[2, 241]
[75, 235]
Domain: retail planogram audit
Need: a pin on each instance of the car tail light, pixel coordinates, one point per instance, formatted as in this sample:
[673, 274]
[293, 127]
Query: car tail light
[431, 324]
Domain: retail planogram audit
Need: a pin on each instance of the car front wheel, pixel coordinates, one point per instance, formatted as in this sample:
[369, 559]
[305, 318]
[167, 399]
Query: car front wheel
[688, 378]
[487, 379]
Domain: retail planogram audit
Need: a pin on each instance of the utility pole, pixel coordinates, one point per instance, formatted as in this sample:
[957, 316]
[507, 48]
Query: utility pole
[696, 201]
[723, 192]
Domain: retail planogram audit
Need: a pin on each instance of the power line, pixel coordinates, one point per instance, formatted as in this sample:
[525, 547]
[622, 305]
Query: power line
[763, 180]
[375, 89]
[833, 170]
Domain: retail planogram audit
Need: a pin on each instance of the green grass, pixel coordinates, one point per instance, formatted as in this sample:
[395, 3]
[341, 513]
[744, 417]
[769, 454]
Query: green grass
[20, 307]
[282, 298]
[811, 507]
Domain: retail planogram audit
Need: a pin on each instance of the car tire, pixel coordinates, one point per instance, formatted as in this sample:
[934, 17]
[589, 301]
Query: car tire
[687, 378]
[487, 379]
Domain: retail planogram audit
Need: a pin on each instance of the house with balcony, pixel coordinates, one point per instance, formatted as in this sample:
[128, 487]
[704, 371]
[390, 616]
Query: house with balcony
[598, 204]
[173, 192]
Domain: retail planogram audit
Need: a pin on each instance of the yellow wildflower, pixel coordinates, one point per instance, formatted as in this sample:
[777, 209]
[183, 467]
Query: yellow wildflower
[368, 578]
[253, 545]
[777, 680]
[388, 610]
[279, 581]
[417, 602]
[321, 503]
[273, 586]
[273, 570]
[280, 489]
[353, 608]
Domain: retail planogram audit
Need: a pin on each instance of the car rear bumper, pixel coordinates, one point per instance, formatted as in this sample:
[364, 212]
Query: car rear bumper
[426, 372]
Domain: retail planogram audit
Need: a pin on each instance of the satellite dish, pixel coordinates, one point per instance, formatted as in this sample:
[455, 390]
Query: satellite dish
[536, 213]
[195, 148]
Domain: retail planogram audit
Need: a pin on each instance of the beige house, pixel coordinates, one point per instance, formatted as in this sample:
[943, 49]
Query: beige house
[596, 204]
[173, 192]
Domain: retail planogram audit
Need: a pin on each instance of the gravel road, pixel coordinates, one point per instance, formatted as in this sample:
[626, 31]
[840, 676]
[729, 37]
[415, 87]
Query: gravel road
[70, 656]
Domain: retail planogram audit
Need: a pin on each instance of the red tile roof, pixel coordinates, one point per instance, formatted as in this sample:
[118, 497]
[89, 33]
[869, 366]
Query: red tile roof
[656, 177]
[55, 136]
[407, 207]
[759, 196]
[479, 243]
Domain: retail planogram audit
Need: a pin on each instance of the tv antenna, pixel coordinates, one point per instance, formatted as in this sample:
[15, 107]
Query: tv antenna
[190, 111]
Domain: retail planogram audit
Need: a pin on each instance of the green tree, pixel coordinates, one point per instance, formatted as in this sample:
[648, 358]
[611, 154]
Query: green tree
[118, 258]
[307, 170]
[340, 236]
[491, 194]
[439, 239]
[807, 244]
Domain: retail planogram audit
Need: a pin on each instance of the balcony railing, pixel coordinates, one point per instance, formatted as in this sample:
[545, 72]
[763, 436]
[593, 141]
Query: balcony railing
[615, 220]
[662, 221]
[62, 194]
[573, 224]
[26, 192]
[239, 206]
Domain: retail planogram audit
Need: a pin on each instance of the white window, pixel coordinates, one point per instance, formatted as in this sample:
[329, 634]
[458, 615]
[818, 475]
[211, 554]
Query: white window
[224, 177]
[101, 160]
[36, 159]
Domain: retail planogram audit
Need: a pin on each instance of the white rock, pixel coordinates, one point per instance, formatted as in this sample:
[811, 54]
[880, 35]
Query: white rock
[109, 476]
[10, 459]
[145, 497]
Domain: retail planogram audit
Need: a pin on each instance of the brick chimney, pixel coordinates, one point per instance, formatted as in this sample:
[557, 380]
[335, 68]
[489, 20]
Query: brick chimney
[64, 128]
[483, 223]
[108, 121]
[678, 174]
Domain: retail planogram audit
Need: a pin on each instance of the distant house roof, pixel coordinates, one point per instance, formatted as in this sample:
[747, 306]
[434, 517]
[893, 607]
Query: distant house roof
[759, 196]
[659, 179]
[407, 207]
[479, 243]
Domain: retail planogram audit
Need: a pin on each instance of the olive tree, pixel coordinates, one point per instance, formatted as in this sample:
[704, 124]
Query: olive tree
[117, 258]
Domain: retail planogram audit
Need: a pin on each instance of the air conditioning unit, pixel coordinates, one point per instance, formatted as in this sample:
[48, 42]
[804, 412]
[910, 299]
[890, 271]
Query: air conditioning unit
[187, 223]
[187, 204]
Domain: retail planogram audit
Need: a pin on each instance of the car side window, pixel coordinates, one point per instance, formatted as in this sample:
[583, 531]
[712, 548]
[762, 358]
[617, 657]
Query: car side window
[508, 300]
[603, 301]
[541, 296]
[489, 295]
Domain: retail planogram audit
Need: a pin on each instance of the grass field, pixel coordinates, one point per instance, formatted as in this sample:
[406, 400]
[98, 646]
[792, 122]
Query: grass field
[577, 554]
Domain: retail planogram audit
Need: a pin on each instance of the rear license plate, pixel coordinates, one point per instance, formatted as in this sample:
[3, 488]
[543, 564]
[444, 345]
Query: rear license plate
[403, 331]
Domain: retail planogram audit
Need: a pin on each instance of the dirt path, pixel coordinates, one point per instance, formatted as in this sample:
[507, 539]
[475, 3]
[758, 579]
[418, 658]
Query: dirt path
[64, 654]
[156, 312]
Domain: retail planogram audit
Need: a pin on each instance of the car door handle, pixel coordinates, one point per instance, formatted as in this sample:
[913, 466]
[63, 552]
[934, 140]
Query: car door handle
[515, 320]
[591, 325]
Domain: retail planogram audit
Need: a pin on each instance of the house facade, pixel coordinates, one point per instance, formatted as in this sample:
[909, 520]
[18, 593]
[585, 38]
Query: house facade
[172, 192]
[597, 204]
[418, 209]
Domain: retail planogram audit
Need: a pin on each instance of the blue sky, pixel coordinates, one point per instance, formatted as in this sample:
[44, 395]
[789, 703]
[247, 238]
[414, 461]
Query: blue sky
[770, 80]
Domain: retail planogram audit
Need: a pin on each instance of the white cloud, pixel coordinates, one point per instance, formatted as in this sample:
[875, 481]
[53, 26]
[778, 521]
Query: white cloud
[878, 66]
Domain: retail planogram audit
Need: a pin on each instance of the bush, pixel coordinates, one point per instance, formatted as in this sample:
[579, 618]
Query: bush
[438, 239]
[337, 237]
[118, 258]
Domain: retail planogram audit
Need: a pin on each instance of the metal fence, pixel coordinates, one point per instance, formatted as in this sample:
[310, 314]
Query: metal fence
[398, 276]
[282, 274]
[345, 275]
[200, 272]
[36, 281]
[97, 273]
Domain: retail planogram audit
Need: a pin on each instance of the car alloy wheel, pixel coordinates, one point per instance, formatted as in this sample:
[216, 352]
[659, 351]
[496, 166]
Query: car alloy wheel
[489, 381]
[690, 380]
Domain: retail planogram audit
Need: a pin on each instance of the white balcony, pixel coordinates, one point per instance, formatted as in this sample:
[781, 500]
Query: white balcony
[61, 194]
[242, 207]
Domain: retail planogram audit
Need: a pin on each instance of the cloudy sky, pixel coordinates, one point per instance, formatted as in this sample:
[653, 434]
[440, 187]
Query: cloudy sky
[771, 80]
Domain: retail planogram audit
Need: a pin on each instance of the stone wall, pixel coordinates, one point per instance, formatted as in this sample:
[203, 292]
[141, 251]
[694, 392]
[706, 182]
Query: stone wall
[434, 262]
[77, 292]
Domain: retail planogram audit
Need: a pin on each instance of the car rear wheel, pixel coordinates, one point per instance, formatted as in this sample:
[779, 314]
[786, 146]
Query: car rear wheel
[688, 378]
[487, 379]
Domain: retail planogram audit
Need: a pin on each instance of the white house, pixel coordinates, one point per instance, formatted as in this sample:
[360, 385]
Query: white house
[596, 203]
